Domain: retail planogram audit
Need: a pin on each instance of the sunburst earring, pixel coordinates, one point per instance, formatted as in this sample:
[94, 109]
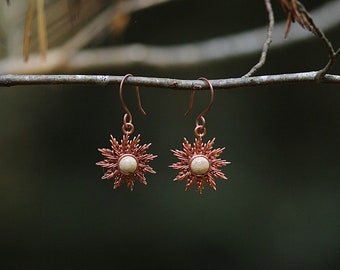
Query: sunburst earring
[199, 163]
[127, 160]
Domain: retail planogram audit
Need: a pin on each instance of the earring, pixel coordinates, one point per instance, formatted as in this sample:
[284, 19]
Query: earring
[128, 160]
[199, 163]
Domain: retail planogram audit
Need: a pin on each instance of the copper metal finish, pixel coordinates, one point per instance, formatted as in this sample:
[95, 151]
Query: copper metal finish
[128, 127]
[199, 148]
[125, 148]
[200, 129]
[117, 152]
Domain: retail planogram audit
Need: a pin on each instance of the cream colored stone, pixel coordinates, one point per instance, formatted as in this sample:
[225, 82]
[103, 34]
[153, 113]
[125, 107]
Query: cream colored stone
[128, 164]
[199, 165]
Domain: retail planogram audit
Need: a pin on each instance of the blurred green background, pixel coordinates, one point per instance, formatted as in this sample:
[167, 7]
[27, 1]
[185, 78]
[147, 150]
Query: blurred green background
[278, 210]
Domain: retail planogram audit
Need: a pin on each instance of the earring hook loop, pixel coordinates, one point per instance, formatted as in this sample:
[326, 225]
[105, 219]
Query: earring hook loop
[192, 95]
[128, 127]
[211, 101]
[200, 129]
[125, 108]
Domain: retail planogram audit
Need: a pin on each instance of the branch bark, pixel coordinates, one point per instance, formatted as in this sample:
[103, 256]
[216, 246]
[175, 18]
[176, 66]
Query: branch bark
[267, 42]
[167, 83]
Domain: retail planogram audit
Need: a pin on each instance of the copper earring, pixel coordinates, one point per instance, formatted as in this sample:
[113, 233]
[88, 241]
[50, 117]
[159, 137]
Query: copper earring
[128, 160]
[199, 163]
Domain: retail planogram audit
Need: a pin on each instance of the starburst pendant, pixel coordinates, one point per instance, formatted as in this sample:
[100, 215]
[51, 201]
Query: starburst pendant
[199, 164]
[126, 161]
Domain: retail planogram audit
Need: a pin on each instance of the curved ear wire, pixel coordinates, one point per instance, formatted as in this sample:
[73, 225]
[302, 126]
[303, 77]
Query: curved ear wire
[198, 163]
[126, 161]
[122, 100]
[192, 95]
[191, 102]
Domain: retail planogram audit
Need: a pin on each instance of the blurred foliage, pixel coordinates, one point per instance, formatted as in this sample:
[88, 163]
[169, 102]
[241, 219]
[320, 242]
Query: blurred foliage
[279, 210]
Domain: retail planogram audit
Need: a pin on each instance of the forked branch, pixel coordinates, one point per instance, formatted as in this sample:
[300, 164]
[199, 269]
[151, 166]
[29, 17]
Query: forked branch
[267, 42]
[297, 12]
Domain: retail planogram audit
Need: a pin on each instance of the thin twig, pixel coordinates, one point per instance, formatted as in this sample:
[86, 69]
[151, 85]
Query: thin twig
[332, 54]
[167, 83]
[332, 59]
[267, 42]
[296, 11]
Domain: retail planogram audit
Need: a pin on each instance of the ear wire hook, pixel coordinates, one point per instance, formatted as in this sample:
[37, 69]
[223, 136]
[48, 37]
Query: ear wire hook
[192, 95]
[128, 126]
[200, 127]
[137, 95]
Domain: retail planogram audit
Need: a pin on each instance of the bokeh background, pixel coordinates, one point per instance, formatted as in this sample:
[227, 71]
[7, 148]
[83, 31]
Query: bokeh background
[278, 210]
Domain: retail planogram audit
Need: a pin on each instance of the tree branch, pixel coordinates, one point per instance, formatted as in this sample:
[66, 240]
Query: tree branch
[267, 42]
[297, 12]
[168, 83]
